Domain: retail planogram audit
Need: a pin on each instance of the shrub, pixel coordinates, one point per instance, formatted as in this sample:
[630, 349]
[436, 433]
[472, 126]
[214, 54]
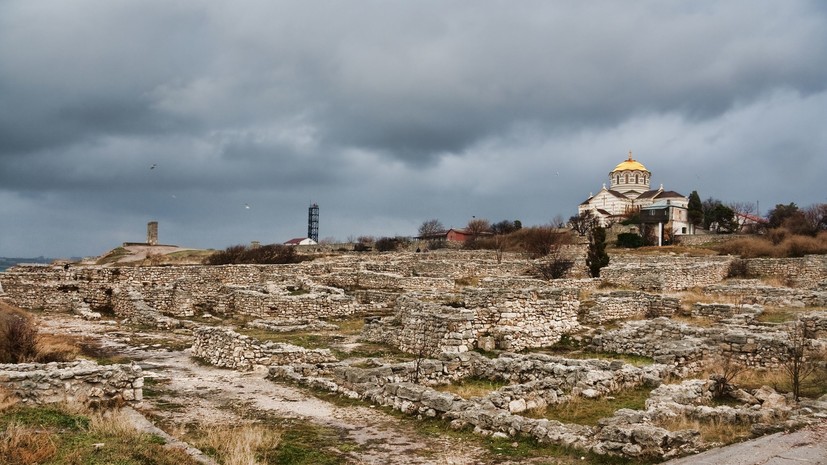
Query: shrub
[272, 254]
[737, 269]
[630, 240]
[19, 338]
[389, 244]
[790, 246]
[480, 243]
[555, 268]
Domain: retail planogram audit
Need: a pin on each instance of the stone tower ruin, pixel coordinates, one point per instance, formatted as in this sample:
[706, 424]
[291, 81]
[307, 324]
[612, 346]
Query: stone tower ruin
[152, 233]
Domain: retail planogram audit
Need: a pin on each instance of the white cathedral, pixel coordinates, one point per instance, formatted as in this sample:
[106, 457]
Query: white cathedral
[629, 192]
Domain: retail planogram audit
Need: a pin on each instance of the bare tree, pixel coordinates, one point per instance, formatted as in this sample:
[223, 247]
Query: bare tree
[583, 222]
[431, 228]
[816, 217]
[801, 358]
[742, 212]
[544, 245]
[558, 221]
[726, 370]
[477, 226]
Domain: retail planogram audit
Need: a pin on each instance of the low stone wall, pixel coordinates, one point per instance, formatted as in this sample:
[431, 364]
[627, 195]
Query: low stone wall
[753, 291]
[621, 305]
[485, 318]
[719, 312]
[547, 380]
[316, 303]
[224, 347]
[661, 273]
[687, 346]
[806, 272]
[83, 381]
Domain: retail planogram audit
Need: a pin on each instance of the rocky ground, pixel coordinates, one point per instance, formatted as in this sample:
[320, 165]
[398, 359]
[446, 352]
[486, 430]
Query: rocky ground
[210, 395]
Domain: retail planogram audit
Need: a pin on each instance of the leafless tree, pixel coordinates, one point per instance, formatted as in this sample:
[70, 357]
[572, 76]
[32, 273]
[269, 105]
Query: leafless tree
[477, 226]
[816, 217]
[558, 221]
[801, 358]
[583, 222]
[431, 227]
[726, 369]
[742, 211]
[544, 245]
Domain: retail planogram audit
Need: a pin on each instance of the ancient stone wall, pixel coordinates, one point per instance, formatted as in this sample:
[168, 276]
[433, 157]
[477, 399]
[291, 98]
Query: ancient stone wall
[664, 273]
[621, 305]
[546, 380]
[684, 345]
[224, 347]
[806, 272]
[83, 381]
[484, 318]
[753, 291]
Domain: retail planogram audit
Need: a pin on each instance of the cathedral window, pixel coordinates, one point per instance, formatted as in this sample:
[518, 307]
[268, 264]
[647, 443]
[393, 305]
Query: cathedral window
[626, 178]
[636, 181]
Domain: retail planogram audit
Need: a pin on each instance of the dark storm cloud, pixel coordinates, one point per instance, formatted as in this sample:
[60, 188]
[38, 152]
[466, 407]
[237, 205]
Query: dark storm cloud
[389, 113]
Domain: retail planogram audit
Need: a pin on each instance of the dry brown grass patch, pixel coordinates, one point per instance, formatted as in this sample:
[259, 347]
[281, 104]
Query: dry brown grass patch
[713, 431]
[474, 387]
[23, 445]
[238, 444]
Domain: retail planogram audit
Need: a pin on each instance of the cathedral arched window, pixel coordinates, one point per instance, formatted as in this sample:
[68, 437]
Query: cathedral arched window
[626, 178]
[636, 179]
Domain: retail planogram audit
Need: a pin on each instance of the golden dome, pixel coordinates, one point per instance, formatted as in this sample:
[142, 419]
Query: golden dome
[630, 165]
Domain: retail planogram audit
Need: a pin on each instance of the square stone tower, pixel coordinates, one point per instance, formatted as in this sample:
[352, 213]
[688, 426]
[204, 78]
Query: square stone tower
[152, 233]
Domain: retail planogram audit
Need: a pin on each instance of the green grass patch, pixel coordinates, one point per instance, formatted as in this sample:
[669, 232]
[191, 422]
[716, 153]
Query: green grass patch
[55, 435]
[584, 411]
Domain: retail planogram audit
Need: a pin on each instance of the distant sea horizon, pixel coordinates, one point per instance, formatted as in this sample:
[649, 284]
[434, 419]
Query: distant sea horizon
[8, 262]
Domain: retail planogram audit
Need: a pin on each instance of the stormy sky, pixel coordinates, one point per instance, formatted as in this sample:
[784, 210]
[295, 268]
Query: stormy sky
[389, 113]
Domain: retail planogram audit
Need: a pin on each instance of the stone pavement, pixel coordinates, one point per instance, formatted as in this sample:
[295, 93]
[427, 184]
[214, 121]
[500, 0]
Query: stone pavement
[803, 447]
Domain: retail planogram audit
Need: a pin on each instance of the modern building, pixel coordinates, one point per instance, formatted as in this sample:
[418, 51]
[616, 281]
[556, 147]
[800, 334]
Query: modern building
[629, 193]
[301, 241]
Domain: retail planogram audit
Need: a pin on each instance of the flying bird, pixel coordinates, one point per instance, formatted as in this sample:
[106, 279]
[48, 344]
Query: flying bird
[153, 166]
[247, 206]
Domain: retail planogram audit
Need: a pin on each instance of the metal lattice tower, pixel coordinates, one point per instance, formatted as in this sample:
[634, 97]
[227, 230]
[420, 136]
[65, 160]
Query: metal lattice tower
[313, 222]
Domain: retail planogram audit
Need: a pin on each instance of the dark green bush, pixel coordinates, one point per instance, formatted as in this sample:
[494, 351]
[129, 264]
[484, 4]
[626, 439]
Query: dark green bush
[630, 240]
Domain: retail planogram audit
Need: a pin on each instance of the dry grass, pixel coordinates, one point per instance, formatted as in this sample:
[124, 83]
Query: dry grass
[239, 444]
[699, 296]
[713, 432]
[20, 341]
[21, 444]
[467, 281]
[667, 249]
[783, 314]
[73, 435]
[778, 246]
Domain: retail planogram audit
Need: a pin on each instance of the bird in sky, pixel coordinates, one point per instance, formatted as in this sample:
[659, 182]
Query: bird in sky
[247, 206]
[153, 166]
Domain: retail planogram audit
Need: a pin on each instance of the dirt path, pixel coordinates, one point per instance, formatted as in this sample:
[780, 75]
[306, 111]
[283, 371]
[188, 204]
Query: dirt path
[211, 395]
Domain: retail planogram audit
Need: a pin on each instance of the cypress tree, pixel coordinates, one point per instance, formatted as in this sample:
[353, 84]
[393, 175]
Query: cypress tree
[597, 258]
[695, 209]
